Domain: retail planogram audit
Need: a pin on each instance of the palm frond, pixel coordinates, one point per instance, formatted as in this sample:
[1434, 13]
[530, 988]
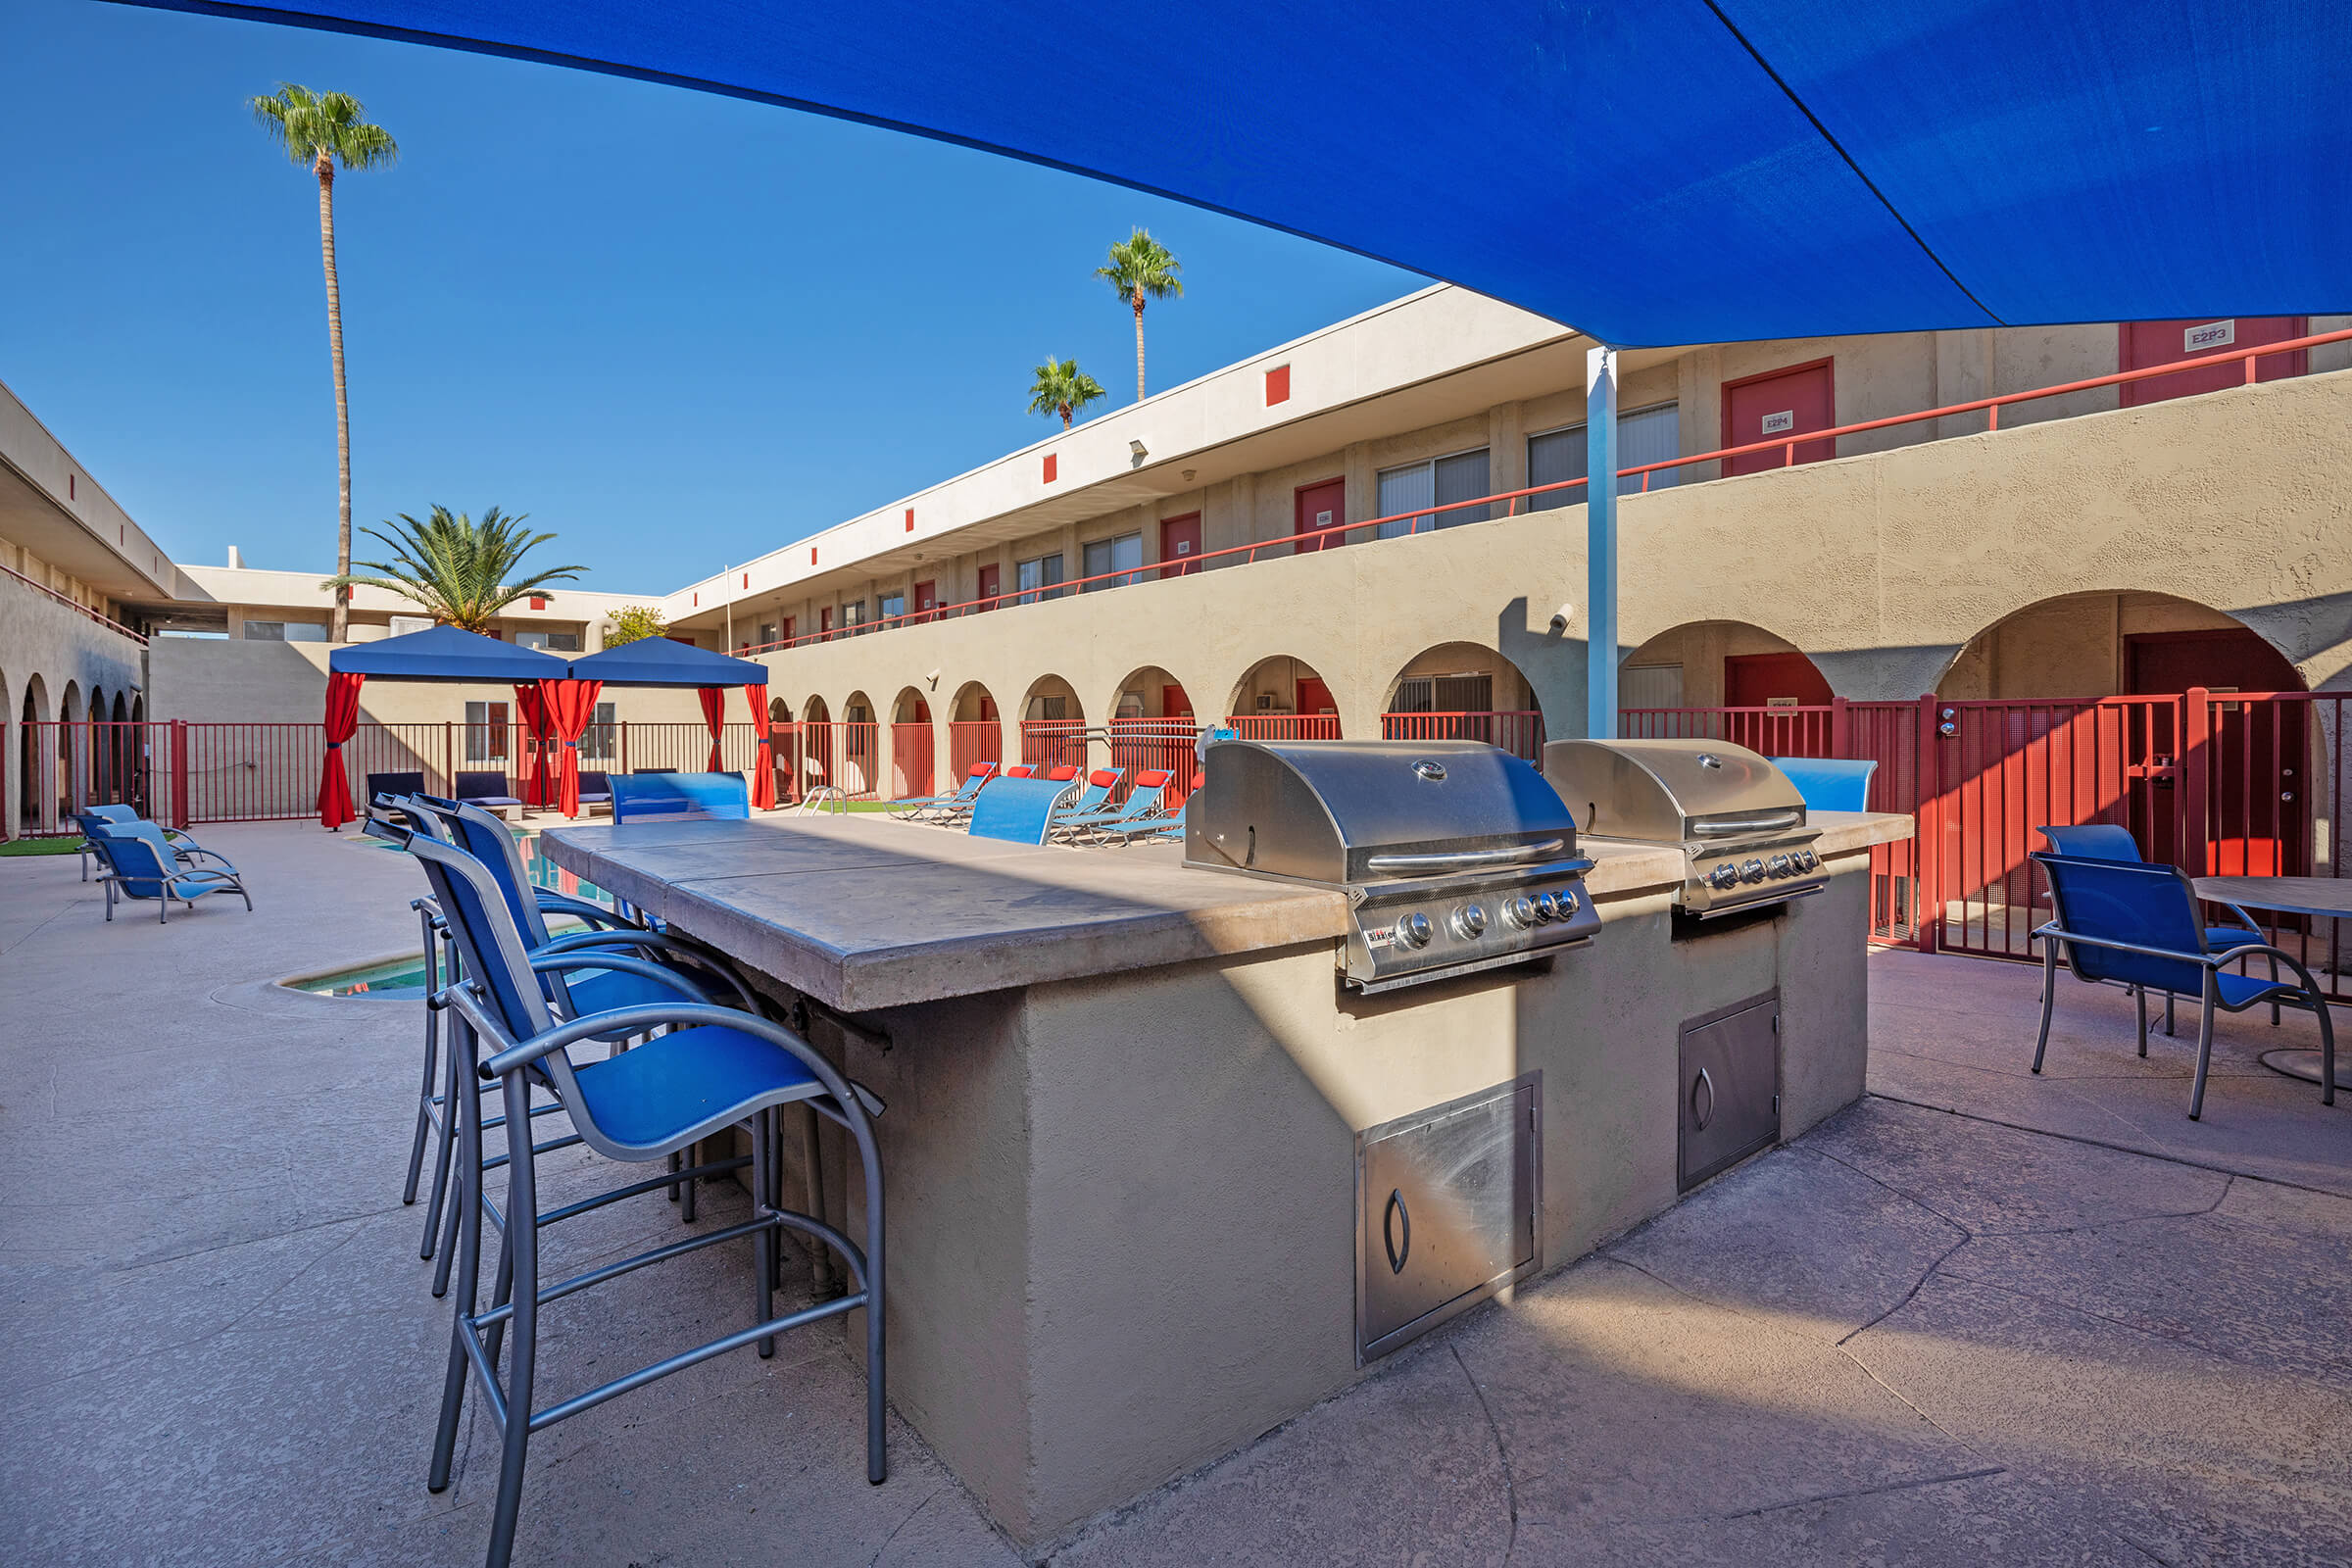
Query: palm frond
[1141, 266]
[463, 572]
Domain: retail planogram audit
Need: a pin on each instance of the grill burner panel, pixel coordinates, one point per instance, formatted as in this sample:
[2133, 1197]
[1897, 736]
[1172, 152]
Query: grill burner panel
[1741, 824]
[1456, 856]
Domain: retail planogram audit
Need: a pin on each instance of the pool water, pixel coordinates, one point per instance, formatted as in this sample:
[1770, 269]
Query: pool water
[405, 976]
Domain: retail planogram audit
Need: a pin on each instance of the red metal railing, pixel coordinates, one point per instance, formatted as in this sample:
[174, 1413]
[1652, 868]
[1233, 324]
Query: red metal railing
[1518, 732]
[79, 609]
[1054, 742]
[1774, 731]
[1168, 745]
[911, 761]
[973, 741]
[1285, 726]
[1425, 519]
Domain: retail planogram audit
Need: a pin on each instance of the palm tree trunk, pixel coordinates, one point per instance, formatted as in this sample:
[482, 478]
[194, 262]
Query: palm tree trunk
[339, 619]
[1139, 345]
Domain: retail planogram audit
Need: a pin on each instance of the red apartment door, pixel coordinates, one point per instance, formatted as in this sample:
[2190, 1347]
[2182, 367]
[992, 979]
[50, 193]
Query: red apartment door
[2258, 819]
[926, 600]
[2145, 343]
[1322, 508]
[1315, 698]
[1775, 406]
[825, 621]
[1174, 704]
[1753, 680]
[990, 577]
[1179, 543]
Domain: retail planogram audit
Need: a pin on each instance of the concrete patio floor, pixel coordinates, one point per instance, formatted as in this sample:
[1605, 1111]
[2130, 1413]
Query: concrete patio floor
[1979, 1318]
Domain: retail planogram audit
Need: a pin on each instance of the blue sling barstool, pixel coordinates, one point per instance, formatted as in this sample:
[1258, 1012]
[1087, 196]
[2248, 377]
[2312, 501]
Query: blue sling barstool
[714, 1068]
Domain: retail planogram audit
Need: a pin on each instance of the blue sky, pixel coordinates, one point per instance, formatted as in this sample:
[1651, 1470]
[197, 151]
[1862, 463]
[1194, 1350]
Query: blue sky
[677, 330]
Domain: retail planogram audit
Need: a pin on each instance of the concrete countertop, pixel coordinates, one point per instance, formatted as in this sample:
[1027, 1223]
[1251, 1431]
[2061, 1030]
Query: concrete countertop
[862, 912]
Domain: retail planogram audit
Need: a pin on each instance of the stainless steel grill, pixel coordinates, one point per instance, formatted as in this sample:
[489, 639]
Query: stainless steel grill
[1738, 821]
[1454, 857]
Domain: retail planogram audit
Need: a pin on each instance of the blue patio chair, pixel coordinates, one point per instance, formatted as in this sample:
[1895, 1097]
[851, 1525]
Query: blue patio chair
[182, 846]
[1830, 783]
[713, 1070]
[380, 785]
[141, 863]
[1099, 786]
[666, 797]
[1019, 810]
[596, 789]
[594, 990]
[1142, 804]
[2106, 840]
[2136, 925]
[484, 788]
[1143, 830]
[952, 804]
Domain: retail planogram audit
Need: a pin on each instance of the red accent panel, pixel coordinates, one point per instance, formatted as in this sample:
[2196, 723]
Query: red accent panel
[910, 519]
[1050, 467]
[2146, 343]
[1753, 680]
[1278, 385]
[812, 554]
[1794, 401]
[538, 602]
[747, 579]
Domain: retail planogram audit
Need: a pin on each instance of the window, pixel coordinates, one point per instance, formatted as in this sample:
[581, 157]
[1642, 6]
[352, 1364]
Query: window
[1464, 476]
[601, 741]
[1647, 435]
[767, 633]
[401, 625]
[284, 631]
[853, 616]
[486, 732]
[1121, 555]
[552, 642]
[1035, 579]
[1445, 694]
[894, 609]
[1048, 709]
[1649, 686]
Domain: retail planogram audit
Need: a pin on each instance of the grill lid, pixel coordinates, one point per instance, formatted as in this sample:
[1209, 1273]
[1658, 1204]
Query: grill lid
[1672, 791]
[1342, 811]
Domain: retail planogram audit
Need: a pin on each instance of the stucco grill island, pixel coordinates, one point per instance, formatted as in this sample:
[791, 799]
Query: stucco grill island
[1159, 1176]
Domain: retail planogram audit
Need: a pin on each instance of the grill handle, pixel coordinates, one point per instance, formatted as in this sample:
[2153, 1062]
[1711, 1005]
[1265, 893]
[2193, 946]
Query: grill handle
[1465, 859]
[1753, 822]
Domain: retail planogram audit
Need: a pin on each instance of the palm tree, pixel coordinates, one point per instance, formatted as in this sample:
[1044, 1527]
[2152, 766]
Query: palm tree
[319, 129]
[456, 571]
[1062, 388]
[1142, 268]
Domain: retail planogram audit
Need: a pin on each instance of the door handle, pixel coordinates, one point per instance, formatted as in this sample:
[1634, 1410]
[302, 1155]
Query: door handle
[1702, 1117]
[1398, 1250]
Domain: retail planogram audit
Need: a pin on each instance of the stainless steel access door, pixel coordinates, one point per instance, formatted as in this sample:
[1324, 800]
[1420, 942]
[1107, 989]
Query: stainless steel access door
[1731, 1087]
[1447, 1211]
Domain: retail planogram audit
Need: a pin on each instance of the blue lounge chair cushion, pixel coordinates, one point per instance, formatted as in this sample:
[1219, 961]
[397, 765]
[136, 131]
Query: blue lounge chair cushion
[675, 1082]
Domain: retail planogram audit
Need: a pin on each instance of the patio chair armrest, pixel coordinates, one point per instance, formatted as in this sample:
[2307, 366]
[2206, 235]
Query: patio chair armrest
[651, 942]
[644, 969]
[183, 851]
[553, 902]
[2052, 931]
[2264, 949]
[637, 1020]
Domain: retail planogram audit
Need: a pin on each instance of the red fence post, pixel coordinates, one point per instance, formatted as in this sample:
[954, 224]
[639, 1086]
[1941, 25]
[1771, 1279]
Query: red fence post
[1926, 830]
[180, 773]
[1840, 729]
[2197, 772]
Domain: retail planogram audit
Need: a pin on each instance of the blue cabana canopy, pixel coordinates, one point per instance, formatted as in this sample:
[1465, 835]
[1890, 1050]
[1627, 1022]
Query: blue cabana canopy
[660, 661]
[1651, 171]
[443, 653]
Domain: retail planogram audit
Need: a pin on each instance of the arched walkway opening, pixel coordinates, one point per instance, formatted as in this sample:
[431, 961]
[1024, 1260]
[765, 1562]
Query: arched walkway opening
[1463, 691]
[31, 757]
[97, 786]
[910, 745]
[1052, 725]
[817, 746]
[8, 775]
[1153, 729]
[1283, 699]
[783, 748]
[1725, 680]
[2112, 645]
[858, 755]
[975, 730]
[64, 783]
[121, 754]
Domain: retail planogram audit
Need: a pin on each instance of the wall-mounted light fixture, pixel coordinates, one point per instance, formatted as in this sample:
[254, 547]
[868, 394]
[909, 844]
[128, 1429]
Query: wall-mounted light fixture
[1137, 447]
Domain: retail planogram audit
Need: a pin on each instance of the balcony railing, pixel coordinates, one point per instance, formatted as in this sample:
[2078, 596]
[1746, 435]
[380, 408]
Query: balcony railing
[1425, 519]
[76, 606]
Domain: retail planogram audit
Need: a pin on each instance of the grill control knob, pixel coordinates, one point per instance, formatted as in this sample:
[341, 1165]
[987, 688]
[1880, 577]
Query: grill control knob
[1780, 865]
[1567, 903]
[1414, 929]
[1547, 907]
[1753, 871]
[1804, 859]
[1725, 875]
[1470, 923]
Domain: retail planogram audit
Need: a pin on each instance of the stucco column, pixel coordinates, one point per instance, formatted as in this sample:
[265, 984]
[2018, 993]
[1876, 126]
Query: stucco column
[1363, 488]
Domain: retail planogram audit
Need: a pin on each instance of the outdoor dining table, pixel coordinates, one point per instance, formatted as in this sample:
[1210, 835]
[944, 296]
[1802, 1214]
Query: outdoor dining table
[2321, 898]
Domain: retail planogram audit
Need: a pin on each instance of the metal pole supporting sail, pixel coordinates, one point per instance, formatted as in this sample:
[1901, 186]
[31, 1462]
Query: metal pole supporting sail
[1600, 542]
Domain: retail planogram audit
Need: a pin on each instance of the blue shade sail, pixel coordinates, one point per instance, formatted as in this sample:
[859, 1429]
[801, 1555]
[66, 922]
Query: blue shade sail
[1651, 171]
[660, 661]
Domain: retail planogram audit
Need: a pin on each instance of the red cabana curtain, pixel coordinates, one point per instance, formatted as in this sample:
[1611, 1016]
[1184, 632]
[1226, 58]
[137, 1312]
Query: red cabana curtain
[763, 779]
[714, 708]
[531, 709]
[570, 706]
[342, 722]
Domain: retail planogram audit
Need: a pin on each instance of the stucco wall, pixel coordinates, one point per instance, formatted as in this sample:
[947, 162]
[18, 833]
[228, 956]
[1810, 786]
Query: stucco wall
[62, 658]
[1881, 568]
